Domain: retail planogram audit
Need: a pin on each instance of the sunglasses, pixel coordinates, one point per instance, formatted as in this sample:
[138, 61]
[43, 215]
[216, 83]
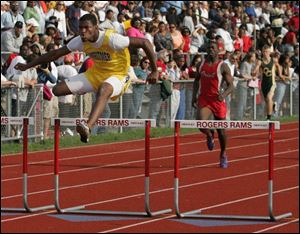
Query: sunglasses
[146, 62]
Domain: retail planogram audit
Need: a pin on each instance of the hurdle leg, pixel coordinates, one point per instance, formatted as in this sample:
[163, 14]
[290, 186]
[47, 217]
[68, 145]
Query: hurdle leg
[79, 209]
[26, 208]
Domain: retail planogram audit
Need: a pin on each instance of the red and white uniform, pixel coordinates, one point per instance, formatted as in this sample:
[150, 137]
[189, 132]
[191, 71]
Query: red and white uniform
[210, 84]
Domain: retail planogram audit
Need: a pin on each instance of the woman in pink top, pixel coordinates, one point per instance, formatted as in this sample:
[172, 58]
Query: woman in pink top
[178, 41]
[134, 31]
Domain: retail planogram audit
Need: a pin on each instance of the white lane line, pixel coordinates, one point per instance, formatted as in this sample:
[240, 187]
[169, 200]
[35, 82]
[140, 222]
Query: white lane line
[277, 226]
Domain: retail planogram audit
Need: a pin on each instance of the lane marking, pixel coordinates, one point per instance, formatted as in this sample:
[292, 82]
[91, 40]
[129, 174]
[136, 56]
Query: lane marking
[277, 226]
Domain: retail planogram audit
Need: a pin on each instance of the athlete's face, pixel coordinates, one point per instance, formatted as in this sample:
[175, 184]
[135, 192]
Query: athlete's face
[87, 31]
[213, 50]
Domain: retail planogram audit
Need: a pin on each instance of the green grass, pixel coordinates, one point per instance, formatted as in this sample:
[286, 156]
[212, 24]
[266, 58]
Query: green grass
[10, 148]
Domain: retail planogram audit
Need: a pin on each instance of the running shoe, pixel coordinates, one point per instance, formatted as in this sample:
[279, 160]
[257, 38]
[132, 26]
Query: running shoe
[223, 161]
[84, 132]
[210, 142]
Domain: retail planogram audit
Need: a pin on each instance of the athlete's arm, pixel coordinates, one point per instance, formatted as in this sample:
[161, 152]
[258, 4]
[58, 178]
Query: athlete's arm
[46, 58]
[227, 77]
[148, 48]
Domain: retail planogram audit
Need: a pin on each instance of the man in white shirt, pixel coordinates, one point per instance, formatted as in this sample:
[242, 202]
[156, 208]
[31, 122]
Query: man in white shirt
[223, 32]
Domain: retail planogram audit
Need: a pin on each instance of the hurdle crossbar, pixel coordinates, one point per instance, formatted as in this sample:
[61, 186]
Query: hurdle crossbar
[25, 122]
[271, 125]
[110, 123]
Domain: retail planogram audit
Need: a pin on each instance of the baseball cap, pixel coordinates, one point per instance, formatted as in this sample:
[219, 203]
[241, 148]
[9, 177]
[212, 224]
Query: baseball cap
[19, 24]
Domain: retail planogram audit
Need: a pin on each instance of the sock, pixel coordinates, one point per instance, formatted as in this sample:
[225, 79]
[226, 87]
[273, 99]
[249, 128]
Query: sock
[268, 117]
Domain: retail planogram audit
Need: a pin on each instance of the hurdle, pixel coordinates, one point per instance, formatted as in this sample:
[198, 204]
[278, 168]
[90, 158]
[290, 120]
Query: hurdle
[109, 123]
[270, 125]
[25, 122]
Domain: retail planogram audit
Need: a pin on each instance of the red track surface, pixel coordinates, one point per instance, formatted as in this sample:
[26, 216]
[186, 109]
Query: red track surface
[111, 177]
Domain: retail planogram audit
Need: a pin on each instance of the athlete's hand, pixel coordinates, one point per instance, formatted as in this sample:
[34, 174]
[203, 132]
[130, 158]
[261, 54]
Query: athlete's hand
[21, 66]
[152, 77]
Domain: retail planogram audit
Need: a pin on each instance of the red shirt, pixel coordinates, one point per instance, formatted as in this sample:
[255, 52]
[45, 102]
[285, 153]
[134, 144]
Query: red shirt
[187, 43]
[247, 43]
[210, 81]
[294, 22]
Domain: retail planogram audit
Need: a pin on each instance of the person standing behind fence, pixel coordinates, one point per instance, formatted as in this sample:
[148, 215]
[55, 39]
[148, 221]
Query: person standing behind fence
[141, 72]
[282, 82]
[66, 103]
[247, 66]
[211, 100]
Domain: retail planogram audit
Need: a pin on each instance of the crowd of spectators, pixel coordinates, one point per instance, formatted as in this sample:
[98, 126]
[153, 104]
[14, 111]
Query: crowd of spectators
[179, 32]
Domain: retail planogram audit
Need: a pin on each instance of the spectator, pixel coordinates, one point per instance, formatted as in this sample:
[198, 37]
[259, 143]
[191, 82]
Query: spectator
[181, 64]
[174, 75]
[72, 17]
[290, 40]
[185, 32]
[135, 30]
[163, 39]
[193, 73]
[247, 41]
[223, 32]
[118, 24]
[282, 80]
[171, 16]
[4, 7]
[141, 73]
[151, 34]
[11, 40]
[31, 12]
[113, 6]
[155, 98]
[60, 14]
[198, 38]
[108, 22]
[177, 38]
[188, 20]
[48, 75]
[11, 17]
[65, 103]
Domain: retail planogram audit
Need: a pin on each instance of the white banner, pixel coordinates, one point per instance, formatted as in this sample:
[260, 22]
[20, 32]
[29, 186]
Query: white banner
[114, 123]
[224, 124]
[15, 120]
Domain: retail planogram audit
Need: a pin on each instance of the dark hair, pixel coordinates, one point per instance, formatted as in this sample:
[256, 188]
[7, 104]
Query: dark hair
[89, 17]
[143, 60]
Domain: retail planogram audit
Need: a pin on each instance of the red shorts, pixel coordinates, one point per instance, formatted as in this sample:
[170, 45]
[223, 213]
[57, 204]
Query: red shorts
[218, 108]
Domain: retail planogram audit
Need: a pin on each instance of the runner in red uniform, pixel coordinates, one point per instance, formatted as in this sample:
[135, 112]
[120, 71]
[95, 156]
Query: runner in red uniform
[215, 82]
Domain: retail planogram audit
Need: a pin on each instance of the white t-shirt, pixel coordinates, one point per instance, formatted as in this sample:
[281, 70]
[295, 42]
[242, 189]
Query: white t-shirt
[116, 42]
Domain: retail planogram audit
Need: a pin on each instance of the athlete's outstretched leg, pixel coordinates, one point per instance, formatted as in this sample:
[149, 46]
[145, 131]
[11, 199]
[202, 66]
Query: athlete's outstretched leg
[105, 93]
